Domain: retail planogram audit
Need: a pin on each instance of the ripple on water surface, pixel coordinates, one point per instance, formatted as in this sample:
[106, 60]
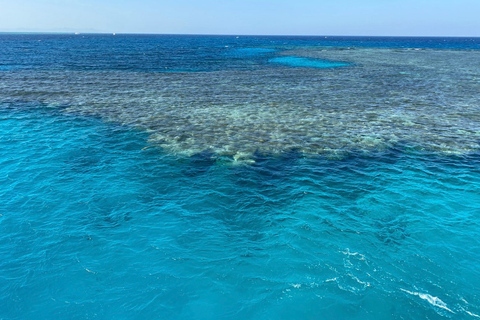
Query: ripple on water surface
[120, 198]
[94, 225]
[425, 100]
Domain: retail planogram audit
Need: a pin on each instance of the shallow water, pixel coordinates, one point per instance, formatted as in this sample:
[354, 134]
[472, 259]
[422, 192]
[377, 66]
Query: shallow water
[220, 95]
[365, 206]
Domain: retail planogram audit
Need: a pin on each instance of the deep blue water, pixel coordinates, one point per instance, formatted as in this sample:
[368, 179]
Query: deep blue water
[172, 177]
[159, 53]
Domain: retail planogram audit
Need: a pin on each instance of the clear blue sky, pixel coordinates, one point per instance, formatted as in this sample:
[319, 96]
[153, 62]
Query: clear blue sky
[287, 17]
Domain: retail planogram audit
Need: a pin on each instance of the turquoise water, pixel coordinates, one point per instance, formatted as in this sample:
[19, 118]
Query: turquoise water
[119, 202]
[308, 63]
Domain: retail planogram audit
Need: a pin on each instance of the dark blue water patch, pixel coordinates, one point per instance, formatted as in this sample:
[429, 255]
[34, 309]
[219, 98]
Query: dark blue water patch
[461, 43]
[200, 163]
[147, 53]
[177, 70]
[249, 52]
[157, 53]
[308, 62]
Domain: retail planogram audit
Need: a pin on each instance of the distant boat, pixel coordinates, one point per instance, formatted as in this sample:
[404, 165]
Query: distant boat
[77, 32]
[114, 33]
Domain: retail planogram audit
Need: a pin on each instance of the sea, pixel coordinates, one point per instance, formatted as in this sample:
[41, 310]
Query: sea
[239, 177]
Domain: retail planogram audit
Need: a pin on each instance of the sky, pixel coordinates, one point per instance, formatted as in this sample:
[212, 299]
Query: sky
[245, 17]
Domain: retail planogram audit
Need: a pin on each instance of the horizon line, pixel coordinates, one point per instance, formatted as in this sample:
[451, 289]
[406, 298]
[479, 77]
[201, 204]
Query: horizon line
[225, 34]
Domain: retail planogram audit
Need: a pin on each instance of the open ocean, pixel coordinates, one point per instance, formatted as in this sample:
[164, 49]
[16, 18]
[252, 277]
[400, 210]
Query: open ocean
[239, 177]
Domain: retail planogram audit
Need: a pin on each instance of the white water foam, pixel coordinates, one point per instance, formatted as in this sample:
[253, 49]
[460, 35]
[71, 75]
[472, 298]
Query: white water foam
[472, 314]
[435, 301]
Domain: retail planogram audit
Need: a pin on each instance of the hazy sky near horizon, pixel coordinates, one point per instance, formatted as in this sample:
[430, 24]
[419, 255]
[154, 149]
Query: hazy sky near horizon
[279, 17]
